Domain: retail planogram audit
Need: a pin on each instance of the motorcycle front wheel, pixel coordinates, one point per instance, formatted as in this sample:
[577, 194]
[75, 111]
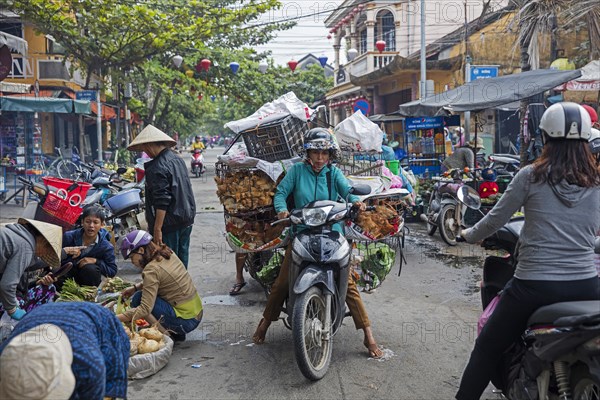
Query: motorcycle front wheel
[446, 232]
[312, 351]
[585, 387]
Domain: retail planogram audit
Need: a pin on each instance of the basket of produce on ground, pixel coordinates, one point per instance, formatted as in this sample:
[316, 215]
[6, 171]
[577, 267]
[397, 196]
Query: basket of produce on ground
[115, 285]
[372, 262]
[71, 291]
[150, 351]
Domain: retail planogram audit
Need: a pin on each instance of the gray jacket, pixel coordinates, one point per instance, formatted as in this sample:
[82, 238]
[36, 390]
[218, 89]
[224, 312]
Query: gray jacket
[17, 250]
[557, 240]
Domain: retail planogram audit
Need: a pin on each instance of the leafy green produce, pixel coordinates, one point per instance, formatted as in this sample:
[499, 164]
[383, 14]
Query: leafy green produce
[268, 273]
[71, 291]
[376, 265]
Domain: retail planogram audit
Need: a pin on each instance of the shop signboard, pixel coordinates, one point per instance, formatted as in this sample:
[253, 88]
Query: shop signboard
[424, 123]
[483, 71]
[89, 95]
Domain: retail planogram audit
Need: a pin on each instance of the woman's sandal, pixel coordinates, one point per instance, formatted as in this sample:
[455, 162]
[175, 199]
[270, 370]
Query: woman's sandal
[374, 350]
[260, 334]
[235, 290]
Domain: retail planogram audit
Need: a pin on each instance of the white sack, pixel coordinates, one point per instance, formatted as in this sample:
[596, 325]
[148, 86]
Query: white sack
[144, 365]
[359, 133]
[288, 104]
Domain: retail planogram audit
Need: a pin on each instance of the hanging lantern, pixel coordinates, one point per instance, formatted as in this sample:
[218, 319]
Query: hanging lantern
[263, 66]
[329, 37]
[203, 65]
[200, 96]
[292, 64]
[380, 44]
[332, 31]
[356, 10]
[351, 55]
[234, 67]
[361, 7]
[177, 60]
[189, 73]
[323, 60]
[213, 97]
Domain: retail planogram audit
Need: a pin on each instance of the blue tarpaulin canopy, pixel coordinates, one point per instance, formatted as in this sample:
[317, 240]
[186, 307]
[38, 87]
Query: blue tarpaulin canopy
[44, 104]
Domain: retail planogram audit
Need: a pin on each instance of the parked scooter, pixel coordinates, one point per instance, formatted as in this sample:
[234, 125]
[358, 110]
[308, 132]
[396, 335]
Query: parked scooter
[448, 204]
[197, 162]
[558, 355]
[505, 164]
[318, 281]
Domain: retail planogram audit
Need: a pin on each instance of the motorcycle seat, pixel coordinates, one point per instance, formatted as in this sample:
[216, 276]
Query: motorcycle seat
[555, 313]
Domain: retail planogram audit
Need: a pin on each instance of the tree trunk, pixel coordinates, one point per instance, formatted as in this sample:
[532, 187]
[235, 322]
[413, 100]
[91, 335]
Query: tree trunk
[150, 118]
[164, 113]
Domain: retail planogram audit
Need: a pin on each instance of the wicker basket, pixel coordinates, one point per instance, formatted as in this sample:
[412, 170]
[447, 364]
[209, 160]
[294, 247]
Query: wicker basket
[278, 140]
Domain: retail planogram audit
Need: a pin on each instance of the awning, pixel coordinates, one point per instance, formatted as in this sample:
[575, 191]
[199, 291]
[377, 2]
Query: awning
[44, 104]
[482, 94]
[14, 43]
[386, 118]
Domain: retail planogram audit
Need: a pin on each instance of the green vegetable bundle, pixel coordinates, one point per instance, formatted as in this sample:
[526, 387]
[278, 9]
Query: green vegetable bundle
[71, 291]
[268, 273]
[376, 265]
[114, 285]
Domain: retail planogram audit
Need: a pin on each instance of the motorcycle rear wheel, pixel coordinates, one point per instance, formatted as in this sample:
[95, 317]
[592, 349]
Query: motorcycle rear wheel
[312, 352]
[585, 387]
[448, 235]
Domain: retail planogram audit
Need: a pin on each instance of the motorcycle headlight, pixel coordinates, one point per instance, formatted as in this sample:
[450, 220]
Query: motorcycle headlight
[315, 216]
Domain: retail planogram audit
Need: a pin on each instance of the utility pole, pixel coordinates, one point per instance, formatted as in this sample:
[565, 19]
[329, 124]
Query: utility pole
[423, 91]
[467, 74]
[99, 122]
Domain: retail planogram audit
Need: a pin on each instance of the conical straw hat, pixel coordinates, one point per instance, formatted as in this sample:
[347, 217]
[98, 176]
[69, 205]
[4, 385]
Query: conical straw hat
[53, 235]
[150, 134]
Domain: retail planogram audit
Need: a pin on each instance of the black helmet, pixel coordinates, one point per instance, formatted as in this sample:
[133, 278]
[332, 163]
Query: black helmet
[321, 139]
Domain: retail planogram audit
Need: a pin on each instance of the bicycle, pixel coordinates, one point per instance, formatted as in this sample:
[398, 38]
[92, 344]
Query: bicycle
[63, 167]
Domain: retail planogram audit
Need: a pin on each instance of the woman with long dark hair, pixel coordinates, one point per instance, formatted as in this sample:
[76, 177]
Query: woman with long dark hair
[560, 195]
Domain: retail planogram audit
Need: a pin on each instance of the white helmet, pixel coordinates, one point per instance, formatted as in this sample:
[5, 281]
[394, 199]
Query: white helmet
[566, 121]
[595, 141]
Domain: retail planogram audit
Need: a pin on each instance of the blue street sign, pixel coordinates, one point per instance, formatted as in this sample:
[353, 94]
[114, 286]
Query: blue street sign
[424, 123]
[362, 105]
[86, 95]
[483, 71]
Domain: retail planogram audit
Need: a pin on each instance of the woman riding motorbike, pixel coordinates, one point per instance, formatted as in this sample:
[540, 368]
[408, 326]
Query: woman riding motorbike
[314, 179]
[560, 194]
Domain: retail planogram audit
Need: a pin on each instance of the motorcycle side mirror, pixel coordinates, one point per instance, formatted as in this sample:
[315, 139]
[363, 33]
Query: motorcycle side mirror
[469, 197]
[360, 190]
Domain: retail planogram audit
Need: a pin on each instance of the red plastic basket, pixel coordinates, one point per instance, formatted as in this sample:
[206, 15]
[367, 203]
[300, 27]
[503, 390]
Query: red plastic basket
[61, 208]
[64, 184]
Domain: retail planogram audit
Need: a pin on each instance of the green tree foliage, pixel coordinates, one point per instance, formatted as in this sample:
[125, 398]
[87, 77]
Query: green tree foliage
[103, 35]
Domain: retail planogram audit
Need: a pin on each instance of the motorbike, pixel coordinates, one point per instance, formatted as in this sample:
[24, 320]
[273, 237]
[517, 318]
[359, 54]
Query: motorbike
[448, 203]
[197, 162]
[504, 164]
[558, 355]
[318, 281]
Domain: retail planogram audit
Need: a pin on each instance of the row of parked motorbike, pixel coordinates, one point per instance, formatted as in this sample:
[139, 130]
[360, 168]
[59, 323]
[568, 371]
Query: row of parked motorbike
[122, 201]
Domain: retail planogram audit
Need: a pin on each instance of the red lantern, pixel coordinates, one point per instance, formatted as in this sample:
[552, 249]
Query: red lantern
[203, 65]
[355, 10]
[292, 64]
[380, 44]
[361, 7]
[332, 31]
[200, 96]
[329, 37]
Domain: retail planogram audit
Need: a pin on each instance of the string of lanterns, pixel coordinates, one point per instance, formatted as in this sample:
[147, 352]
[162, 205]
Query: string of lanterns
[346, 20]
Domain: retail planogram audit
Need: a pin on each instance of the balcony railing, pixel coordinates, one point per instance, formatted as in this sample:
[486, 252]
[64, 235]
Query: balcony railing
[369, 62]
[21, 68]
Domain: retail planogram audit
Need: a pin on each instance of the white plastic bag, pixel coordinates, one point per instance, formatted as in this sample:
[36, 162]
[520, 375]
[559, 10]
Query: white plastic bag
[288, 104]
[359, 133]
[144, 365]
[7, 324]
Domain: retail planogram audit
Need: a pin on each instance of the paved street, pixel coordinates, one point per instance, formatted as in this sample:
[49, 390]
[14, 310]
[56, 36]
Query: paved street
[426, 317]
